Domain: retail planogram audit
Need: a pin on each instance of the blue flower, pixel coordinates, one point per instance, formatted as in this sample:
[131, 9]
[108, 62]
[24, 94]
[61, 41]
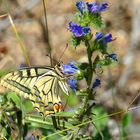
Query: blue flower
[69, 68]
[103, 39]
[93, 7]
[77, 30]
[72, 82]
[80, 6]
[98, 35]
[96, 7]
[113, 56]
[103, 6]
[86, 30]
[96, 83]
[108, 38]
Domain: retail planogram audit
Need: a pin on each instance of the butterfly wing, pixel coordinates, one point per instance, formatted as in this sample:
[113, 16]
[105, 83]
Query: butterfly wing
[22, 81]
[47, 91]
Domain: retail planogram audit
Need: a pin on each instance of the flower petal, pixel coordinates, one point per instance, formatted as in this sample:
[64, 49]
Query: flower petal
[103, 6]
[72, 82]
[93, 7]
[108, 38]
[113, 56]
[69, 68]
[98, 35]
[80, 6]
[96, 83]
[77, 30]
[97, 7]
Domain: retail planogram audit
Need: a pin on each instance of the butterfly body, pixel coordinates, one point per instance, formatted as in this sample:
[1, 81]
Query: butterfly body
[42, 85]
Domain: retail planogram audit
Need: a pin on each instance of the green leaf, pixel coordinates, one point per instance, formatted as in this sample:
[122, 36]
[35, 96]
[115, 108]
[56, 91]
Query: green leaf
[127, 120]
[75, 41]
[125, 123]
[12, 96]
[2, 99]
[3, 132]
[38, 122]
[100, 124]
[27, 106]
[72, 100]
[65, 114]
[96, 21]
[82, 19]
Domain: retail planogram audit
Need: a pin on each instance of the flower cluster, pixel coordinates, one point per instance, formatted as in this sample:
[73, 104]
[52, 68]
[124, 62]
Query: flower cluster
[97, 7]
[71, 69]
[89, 15]
[94, 7]
[77, 30]
[103, 39]
[86, 17]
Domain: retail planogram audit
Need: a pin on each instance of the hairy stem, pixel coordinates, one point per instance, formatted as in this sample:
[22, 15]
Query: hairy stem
[90, 70]
[85, 107]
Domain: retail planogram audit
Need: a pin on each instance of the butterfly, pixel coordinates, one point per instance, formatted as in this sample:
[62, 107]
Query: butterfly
[42, 85]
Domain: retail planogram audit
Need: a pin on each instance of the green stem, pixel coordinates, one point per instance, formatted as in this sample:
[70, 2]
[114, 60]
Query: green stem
[19, 123]
[54, 122]
[90, 70]
[89, 80]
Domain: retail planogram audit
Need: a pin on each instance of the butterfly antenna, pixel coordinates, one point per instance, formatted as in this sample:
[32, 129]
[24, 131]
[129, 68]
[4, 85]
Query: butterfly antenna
[63, 52]
[47, 33]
